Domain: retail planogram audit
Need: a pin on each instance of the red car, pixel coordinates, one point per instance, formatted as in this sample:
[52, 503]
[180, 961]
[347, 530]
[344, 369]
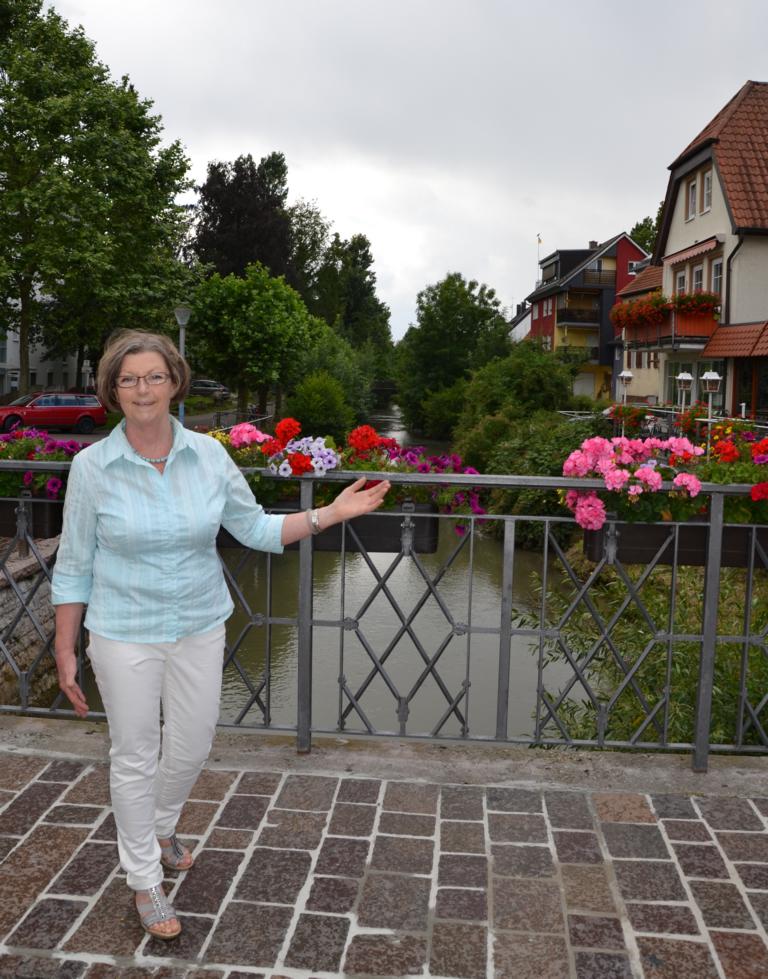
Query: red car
[54, 409]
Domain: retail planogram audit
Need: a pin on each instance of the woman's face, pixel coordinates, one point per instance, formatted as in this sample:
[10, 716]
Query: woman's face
[145, 404]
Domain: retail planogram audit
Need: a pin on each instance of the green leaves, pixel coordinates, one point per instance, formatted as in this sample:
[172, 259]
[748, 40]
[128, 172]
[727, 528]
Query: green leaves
[247, 331]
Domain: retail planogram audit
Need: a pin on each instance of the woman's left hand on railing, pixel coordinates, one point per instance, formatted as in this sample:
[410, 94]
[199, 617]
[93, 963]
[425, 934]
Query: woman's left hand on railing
[354, 500]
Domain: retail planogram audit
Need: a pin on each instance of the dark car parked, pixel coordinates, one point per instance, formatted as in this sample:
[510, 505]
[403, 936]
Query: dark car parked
[54, 409]
[203, 387]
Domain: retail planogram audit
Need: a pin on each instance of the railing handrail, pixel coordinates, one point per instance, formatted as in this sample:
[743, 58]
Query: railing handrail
[423, 479]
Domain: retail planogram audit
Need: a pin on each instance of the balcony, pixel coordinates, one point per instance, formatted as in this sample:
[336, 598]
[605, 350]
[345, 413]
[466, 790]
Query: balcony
[575, 316]
[688, 328]
[598, 277]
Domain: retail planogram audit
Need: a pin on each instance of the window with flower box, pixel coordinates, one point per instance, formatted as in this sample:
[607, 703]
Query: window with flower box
[698, 278]
[680, 279]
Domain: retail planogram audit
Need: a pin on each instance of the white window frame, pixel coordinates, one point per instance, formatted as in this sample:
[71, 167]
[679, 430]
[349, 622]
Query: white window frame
[706, 192]
[535, 311]
[716, 264]
[690, 204]
[698, 272]
[682, 273]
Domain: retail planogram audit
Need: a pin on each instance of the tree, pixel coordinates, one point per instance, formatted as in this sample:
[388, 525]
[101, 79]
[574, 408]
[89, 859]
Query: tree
[247, 330]
[309, 239]
[347, 300]
[459, 327]
[328, 352]
[646, 231]
[89, 227]
[243, 216]
[319, 404]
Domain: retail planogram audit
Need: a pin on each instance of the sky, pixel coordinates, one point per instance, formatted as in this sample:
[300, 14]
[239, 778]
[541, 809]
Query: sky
[450, 133]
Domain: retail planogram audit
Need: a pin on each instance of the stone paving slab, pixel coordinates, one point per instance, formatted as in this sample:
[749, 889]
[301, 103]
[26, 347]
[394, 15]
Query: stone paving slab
[303, 876]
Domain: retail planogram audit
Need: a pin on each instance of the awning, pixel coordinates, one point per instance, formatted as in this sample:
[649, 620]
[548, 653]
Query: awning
[699, 249]
[744, 340]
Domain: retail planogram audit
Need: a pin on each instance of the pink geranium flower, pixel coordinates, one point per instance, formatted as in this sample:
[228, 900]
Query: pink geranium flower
[245, 434]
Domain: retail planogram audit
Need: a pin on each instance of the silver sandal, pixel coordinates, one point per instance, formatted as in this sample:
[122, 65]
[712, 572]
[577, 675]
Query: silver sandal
[153, 909]
[173, 853]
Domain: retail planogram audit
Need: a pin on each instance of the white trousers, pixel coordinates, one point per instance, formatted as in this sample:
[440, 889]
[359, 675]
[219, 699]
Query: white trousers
[148, 793]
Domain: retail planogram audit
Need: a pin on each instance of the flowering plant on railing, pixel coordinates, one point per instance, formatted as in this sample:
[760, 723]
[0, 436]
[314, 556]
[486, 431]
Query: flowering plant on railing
[38, 446]
[633, 471]
[631, 415]
[652, 309]
[287, 454]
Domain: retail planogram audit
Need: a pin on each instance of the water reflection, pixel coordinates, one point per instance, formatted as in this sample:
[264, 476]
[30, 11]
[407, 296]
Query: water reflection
[389, 631]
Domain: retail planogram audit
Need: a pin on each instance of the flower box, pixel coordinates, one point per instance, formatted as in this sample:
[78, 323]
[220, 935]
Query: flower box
[638, 543]
[45, 518]
[377, 532]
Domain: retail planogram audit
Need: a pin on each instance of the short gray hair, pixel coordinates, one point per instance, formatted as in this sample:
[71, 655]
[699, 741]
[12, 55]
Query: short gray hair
[124, 342]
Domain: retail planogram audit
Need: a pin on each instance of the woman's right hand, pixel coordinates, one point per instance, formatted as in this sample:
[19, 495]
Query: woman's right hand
[66, 664]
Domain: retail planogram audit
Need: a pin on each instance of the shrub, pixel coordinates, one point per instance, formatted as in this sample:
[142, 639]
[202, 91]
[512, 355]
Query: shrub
[442, 410]
[319, 404]
[535, 448]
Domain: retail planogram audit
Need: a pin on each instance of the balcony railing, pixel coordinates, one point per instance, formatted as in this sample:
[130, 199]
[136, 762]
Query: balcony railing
[605, 664]
[595, 277]
[575, 316]
[690, 328]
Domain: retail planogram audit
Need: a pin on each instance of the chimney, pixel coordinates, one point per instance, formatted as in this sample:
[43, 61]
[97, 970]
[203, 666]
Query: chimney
[592, 245]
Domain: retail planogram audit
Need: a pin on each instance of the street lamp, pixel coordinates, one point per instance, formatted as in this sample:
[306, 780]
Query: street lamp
[684, 383]
[625, 379]
[710, 382]
[182, 314]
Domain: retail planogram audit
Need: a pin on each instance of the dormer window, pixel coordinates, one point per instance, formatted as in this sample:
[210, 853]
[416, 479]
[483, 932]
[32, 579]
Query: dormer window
[706, 192]
[690, 210]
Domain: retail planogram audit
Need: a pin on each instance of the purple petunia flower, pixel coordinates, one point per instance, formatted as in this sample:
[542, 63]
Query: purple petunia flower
[28, 477]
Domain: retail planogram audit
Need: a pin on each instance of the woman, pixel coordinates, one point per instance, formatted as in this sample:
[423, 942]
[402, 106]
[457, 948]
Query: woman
[141, 514]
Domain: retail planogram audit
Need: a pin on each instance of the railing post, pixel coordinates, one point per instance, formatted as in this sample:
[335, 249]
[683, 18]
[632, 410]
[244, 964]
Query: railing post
[304, 665]
[505, 631]
[708, 634]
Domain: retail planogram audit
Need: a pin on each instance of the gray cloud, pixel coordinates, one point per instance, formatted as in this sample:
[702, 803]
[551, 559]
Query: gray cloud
[451, 133]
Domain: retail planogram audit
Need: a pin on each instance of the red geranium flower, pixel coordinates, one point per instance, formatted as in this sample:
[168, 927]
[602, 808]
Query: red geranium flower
[759, 448]
[271, 447]
[286, 430]
[300, 463]
[726, 451]
[759, 492]
[363, 438]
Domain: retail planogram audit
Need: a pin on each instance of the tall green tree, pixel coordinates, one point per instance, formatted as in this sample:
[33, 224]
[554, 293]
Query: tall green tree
[347, 301]
[646, 231]
[89, 227]
[248, 330]
[459, 327]
[243, 217]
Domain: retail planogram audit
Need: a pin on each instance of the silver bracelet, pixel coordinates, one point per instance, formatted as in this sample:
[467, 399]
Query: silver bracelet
[313, 519]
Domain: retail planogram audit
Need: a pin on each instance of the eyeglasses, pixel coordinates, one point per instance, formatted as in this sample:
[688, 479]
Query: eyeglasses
[131, 380]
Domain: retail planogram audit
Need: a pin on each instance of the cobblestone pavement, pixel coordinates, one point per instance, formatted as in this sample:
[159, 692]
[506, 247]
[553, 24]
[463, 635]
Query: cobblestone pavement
[304, 876]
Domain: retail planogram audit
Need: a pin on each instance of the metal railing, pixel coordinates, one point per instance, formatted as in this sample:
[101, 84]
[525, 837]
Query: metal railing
[603, 649]
[575, 316]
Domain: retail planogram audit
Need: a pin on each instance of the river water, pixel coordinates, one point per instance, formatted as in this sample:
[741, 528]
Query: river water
[467, 598]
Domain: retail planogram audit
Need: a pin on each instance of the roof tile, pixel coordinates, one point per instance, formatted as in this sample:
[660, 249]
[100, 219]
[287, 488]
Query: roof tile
[738, 341]
[645, 281]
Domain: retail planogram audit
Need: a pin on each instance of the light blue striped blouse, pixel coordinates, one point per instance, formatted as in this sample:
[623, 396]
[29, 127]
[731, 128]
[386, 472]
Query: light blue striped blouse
[138, 546]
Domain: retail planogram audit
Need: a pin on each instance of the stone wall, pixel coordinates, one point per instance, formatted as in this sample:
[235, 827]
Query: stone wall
[24, 644]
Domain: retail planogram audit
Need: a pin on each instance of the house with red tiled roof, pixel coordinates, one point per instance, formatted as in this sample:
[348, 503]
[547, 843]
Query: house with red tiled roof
[571, 304]
[712, 250]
